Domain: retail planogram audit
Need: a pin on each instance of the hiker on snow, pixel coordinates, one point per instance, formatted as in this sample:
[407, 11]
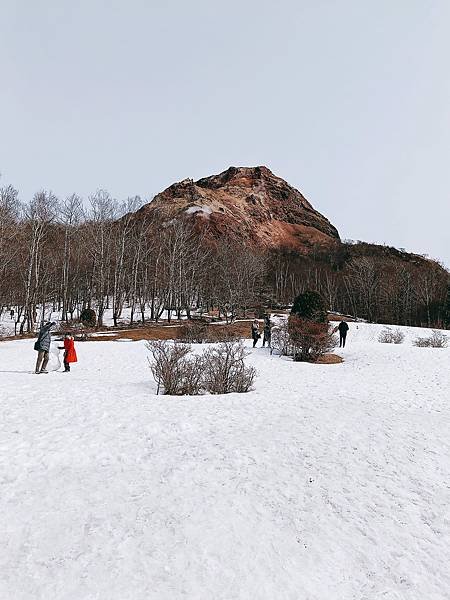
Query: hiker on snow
[343, 328]
[267, 330]
[42, 346]
[70, 355]
[255, 332]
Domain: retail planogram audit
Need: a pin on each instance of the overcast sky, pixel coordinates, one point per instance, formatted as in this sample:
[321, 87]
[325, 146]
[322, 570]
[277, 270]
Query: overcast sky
[348, 100]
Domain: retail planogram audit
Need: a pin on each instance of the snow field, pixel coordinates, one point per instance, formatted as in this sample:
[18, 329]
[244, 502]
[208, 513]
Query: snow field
[325, 482]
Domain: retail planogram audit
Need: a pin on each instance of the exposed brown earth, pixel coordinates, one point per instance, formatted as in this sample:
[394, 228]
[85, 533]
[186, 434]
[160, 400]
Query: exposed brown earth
[249, 204]
[329, 359]
[241, 329]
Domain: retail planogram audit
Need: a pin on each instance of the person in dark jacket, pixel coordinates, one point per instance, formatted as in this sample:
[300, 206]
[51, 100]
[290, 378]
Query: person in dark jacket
[42, 346]
[343, 328]
[267, 331]
[255, 332]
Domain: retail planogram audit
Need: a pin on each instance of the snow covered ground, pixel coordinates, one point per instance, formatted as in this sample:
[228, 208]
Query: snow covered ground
[327, 482]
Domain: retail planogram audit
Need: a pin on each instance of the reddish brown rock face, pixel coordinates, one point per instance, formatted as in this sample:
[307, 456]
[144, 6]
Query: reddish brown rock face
[249, 204]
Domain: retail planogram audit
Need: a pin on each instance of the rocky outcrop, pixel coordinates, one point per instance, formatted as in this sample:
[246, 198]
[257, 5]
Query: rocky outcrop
[249, 204]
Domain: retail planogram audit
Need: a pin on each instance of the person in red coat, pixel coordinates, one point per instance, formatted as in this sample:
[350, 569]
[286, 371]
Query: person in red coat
[70, 355]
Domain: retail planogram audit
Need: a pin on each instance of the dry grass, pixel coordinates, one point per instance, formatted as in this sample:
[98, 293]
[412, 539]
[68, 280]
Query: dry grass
[153, 331]
[241, 329]
[329, 359]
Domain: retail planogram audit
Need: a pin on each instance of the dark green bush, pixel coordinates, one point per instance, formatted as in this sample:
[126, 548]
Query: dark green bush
[310, 306]
[88, 317]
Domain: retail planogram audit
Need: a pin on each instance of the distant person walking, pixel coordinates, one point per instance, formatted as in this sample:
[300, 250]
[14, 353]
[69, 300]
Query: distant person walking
[343, 329]
[42, 346]
[70, 355]
[255, 332]
[267, 331]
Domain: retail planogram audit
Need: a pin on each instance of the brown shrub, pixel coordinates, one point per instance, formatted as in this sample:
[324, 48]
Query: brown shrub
[309, 339]
[436, 340]
[391, 336]
[225, 370]
[174, 369]
[218, 370]
[222, 333]
[280, 339]
[193, 332]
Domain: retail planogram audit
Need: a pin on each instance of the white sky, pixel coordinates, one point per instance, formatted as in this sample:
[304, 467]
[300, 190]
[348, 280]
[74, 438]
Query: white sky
[347, 100]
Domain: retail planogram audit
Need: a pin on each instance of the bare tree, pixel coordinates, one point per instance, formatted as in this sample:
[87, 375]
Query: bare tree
[100, 225]
[122, 240]
[9, 246]
[365, 281]
[39, 214]
[70, 216]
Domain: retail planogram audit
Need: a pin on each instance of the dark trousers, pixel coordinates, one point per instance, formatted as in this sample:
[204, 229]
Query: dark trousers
[342, 338]
[66, 366]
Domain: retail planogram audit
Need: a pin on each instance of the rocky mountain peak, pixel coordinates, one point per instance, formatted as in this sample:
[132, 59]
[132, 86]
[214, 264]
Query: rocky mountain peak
[250, 204]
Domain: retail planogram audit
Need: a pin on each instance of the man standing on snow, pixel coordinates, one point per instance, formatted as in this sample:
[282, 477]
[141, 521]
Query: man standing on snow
[343, 328]
[42, 346]
[267, 330]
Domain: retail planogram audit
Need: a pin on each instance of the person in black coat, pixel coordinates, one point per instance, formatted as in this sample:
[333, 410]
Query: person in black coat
[267, 331]
[255, 332]
[343, 328]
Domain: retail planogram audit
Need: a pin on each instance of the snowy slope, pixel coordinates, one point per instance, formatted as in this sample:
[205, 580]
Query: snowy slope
[328, 482]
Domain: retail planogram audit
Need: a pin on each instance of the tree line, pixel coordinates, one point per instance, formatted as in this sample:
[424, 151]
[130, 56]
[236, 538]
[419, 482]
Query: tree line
[69, 255]
[377, 283]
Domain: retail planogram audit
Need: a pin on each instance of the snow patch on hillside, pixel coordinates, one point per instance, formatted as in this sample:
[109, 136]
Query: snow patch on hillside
[203, 210]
